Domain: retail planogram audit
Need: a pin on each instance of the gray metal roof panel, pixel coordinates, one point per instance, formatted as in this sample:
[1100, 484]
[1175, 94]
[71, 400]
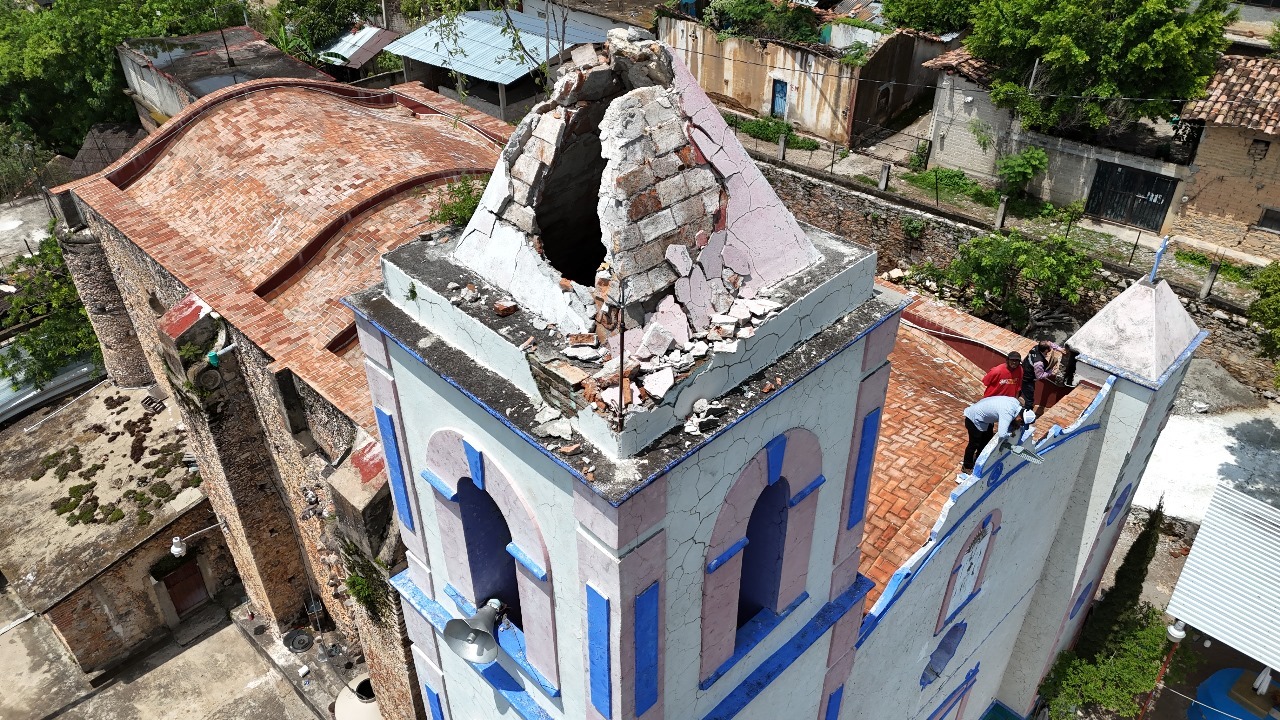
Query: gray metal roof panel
[1228, 588]
[360, 46]
[479, 44]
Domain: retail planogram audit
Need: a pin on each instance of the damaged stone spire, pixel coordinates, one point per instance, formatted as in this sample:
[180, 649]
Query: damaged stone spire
[624, 206]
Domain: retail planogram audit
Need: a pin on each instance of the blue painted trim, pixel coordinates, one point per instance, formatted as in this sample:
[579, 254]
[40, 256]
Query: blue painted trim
[1119, 505]
[395, 470]
[806, 491]
[775, 450]
[862, 475]
[510, 639]
[956, 696]
[833, 704]
[475, 463]
[529, 563]
[600, 680]
[575, 472]
[433, 702]
[726, 556]
[903, 576]
[511, 691]
[438, 485]
[1086, 594]
[777, 663]
[750, 635]
[954, 613]
[646, 633]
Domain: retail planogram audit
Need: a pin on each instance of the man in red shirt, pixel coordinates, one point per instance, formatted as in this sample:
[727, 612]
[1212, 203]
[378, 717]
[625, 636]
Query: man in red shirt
[1006, 379]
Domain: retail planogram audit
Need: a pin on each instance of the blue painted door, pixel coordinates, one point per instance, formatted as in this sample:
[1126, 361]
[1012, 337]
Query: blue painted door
[779, 108]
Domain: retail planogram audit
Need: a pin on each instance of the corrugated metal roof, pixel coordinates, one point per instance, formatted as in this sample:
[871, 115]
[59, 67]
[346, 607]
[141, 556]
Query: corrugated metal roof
[1228, 588]
[478, 45]
[359, 47]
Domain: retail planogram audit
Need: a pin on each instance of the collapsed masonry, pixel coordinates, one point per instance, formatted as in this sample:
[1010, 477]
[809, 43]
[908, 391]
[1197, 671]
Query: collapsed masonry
[624, 212]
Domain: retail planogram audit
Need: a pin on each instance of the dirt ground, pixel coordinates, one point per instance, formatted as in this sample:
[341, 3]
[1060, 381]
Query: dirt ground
[86, 479]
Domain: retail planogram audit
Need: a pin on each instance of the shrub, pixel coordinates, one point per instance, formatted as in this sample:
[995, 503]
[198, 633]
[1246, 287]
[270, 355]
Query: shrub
[144, 518]
[65, 505]
[770, 129]
[763, 19]
[913, 227]
[952, 184]
[1017, 170]
[1266, 312]
[79, 491]
[919, 157]
[462, 197]
[162, 490]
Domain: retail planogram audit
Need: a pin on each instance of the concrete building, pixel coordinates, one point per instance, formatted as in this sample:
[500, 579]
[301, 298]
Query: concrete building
[166, 74]
[643, 408]
[217, 250]
[968, 132]
[1232, 197]
[808, 85]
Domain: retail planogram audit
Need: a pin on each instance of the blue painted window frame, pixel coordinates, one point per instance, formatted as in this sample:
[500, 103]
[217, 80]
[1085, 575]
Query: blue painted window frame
[600, 681]
[395, 470]
[647, 625]
[953, 613]
[750, 635]
[1119, 505]
[957, 696]
[833, 704]
[510, 639]
[866, 462]
[433, 702]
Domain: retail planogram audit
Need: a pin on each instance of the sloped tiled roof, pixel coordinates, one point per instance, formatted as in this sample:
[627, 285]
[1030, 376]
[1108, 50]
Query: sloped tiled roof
[1244, 93]
[960, 62]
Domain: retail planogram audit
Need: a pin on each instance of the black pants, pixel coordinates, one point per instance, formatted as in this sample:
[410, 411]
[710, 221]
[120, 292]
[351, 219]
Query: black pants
[1028, 394]
[978, 439]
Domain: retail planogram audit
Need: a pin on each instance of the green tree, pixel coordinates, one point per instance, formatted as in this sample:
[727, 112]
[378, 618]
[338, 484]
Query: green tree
[59, 72]
[936, 16]
[1120, 650]
[317, 23]
[1095, 56]
[1266, 312]
[62, 333]
[1019, 281]
[1274, 38]
[23, 163]
[763, 19]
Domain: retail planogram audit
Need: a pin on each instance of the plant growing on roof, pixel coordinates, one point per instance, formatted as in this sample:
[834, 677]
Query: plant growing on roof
[366, 580]
[763, 19]
[462, 197]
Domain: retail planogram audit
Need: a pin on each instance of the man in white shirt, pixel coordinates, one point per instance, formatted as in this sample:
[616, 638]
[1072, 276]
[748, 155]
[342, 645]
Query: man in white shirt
[999, 416]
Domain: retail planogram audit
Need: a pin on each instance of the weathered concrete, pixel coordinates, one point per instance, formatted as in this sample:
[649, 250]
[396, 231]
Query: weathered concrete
[217, 678]
[22, 226]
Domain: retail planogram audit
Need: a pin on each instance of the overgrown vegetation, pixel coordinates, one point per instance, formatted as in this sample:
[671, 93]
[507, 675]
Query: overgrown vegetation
[366, 580]
[1096, 63]
[856, 55]
[1226, 269]
[462, 197]
[1118, 656]
[315, 23]
[62, 334]
[936, 16]
[770, 129]
[919, 158]
[24, 164]
[952, 184]
[1273, 38]
[1018, 169]
[1266, 312]
[59, 72]
[763, 19]
[860, 23]
[1016, 281]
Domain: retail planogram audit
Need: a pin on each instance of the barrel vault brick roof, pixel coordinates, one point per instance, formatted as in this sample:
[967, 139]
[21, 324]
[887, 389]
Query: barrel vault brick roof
[960, 62]
[922, 434]
[1245, 93]
[273, 199]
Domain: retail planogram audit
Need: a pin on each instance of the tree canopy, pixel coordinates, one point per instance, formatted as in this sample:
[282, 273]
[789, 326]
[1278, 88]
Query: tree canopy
[1095, 56]
[763, 19]
[936, 16]
[1266, 312]
[62, 333]
[59, 73]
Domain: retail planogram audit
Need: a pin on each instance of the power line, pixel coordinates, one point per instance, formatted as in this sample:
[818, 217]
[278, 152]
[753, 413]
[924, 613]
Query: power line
[815, 73]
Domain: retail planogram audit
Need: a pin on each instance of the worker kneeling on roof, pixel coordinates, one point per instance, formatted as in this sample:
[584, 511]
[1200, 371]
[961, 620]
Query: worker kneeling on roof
[999, 416]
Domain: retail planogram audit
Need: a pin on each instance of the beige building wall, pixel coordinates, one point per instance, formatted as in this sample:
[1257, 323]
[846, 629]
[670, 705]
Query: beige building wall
[969, 132]
[1228, 190]
[741, 72]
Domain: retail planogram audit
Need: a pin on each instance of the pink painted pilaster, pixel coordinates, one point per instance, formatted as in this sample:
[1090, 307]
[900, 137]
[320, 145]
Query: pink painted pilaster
[619, 526]
[640, 569]
[871, 394]
[719, 616]
[879, 343]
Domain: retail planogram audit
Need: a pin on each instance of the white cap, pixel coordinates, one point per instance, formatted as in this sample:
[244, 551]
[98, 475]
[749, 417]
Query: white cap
[1028, 417]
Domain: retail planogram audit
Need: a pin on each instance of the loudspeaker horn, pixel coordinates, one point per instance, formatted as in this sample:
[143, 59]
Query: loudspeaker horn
[474, 639]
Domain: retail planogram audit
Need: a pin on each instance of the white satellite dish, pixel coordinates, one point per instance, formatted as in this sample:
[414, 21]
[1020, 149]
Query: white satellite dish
[474, 639]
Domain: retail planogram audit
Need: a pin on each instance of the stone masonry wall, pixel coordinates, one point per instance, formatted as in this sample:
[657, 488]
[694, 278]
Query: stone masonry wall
[121, 354]
[1228, 191]
[239, 478]
[117, 612]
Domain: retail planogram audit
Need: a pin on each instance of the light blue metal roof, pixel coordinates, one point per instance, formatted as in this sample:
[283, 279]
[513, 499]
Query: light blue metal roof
[480, 46]
[359, 47]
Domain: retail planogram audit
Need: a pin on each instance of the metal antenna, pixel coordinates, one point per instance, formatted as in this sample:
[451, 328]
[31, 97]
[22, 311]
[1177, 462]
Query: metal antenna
[622, 349]
[1164, 245]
